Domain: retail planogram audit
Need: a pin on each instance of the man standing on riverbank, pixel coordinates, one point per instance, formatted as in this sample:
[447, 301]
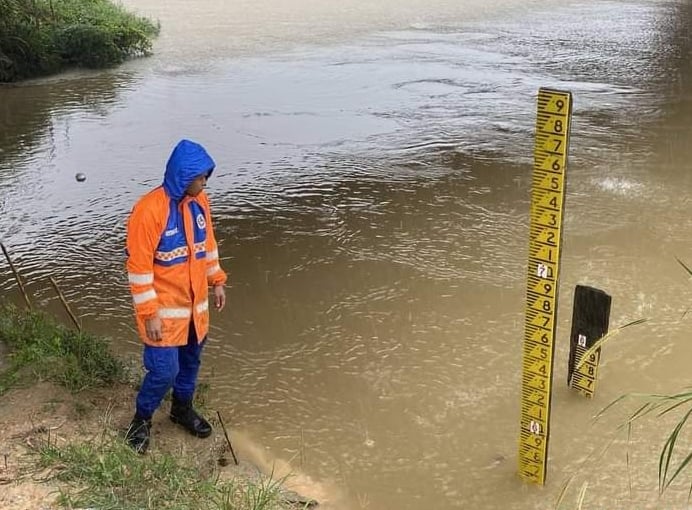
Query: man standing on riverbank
[172, 260]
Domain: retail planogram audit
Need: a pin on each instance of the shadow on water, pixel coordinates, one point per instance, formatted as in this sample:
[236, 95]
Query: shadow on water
[672, 132]
[28, 110]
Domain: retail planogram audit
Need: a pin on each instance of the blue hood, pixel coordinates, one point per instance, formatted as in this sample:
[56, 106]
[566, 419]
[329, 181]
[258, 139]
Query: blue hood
[188, 161]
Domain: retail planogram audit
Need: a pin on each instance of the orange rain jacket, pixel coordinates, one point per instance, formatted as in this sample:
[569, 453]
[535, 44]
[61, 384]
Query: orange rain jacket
[172, 252]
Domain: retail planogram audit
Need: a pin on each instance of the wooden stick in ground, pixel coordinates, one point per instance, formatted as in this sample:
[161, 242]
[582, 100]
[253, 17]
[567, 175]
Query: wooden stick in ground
[64, 303]
[16, 276]
[230, 446]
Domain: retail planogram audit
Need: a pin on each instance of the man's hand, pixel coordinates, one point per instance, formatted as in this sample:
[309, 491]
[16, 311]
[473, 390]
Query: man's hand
[219, 297]
[153, 329]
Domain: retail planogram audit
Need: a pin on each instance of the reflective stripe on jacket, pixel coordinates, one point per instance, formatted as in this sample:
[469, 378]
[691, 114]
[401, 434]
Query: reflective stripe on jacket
[172, 251]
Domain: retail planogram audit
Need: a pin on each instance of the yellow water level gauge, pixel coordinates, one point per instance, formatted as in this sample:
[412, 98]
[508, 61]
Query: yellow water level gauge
[547, 204]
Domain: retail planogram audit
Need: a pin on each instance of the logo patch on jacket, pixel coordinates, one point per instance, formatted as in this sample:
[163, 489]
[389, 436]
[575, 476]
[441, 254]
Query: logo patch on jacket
[201, 223]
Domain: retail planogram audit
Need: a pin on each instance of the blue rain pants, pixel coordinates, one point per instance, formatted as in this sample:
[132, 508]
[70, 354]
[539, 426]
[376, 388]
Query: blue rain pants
[169, 367]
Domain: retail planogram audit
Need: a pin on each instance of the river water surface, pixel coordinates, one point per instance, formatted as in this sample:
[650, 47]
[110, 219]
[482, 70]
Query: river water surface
[371, 200]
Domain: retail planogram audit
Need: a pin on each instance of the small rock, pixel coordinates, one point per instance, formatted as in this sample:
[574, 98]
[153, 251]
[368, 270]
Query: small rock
[294, 499]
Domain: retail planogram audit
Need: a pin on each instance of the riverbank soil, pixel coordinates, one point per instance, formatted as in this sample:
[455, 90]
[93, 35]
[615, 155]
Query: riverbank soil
[32, 417]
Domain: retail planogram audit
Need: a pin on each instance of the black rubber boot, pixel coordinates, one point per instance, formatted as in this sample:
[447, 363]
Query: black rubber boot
[184, 415]
[138, 434]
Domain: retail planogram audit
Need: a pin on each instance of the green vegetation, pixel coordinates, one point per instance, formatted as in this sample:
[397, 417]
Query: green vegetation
[661, 405]
[44, 36]
[44, 350]
[110, 475]
[675, 458]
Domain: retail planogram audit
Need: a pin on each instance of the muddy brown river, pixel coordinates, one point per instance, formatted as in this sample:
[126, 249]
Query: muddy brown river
[371, 202]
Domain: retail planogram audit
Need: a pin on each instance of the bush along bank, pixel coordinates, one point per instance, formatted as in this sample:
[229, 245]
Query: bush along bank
[39, 37]
[85, 462]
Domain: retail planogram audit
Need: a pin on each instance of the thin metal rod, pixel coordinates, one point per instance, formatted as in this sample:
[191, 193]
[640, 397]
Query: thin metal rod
[65, 304]
[230, 446]
[16, 276]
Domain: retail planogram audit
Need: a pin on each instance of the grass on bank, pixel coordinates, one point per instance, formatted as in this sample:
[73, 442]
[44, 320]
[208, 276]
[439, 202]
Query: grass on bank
[39, 37]
[103, 472]
[41, 349]
[109, 475]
